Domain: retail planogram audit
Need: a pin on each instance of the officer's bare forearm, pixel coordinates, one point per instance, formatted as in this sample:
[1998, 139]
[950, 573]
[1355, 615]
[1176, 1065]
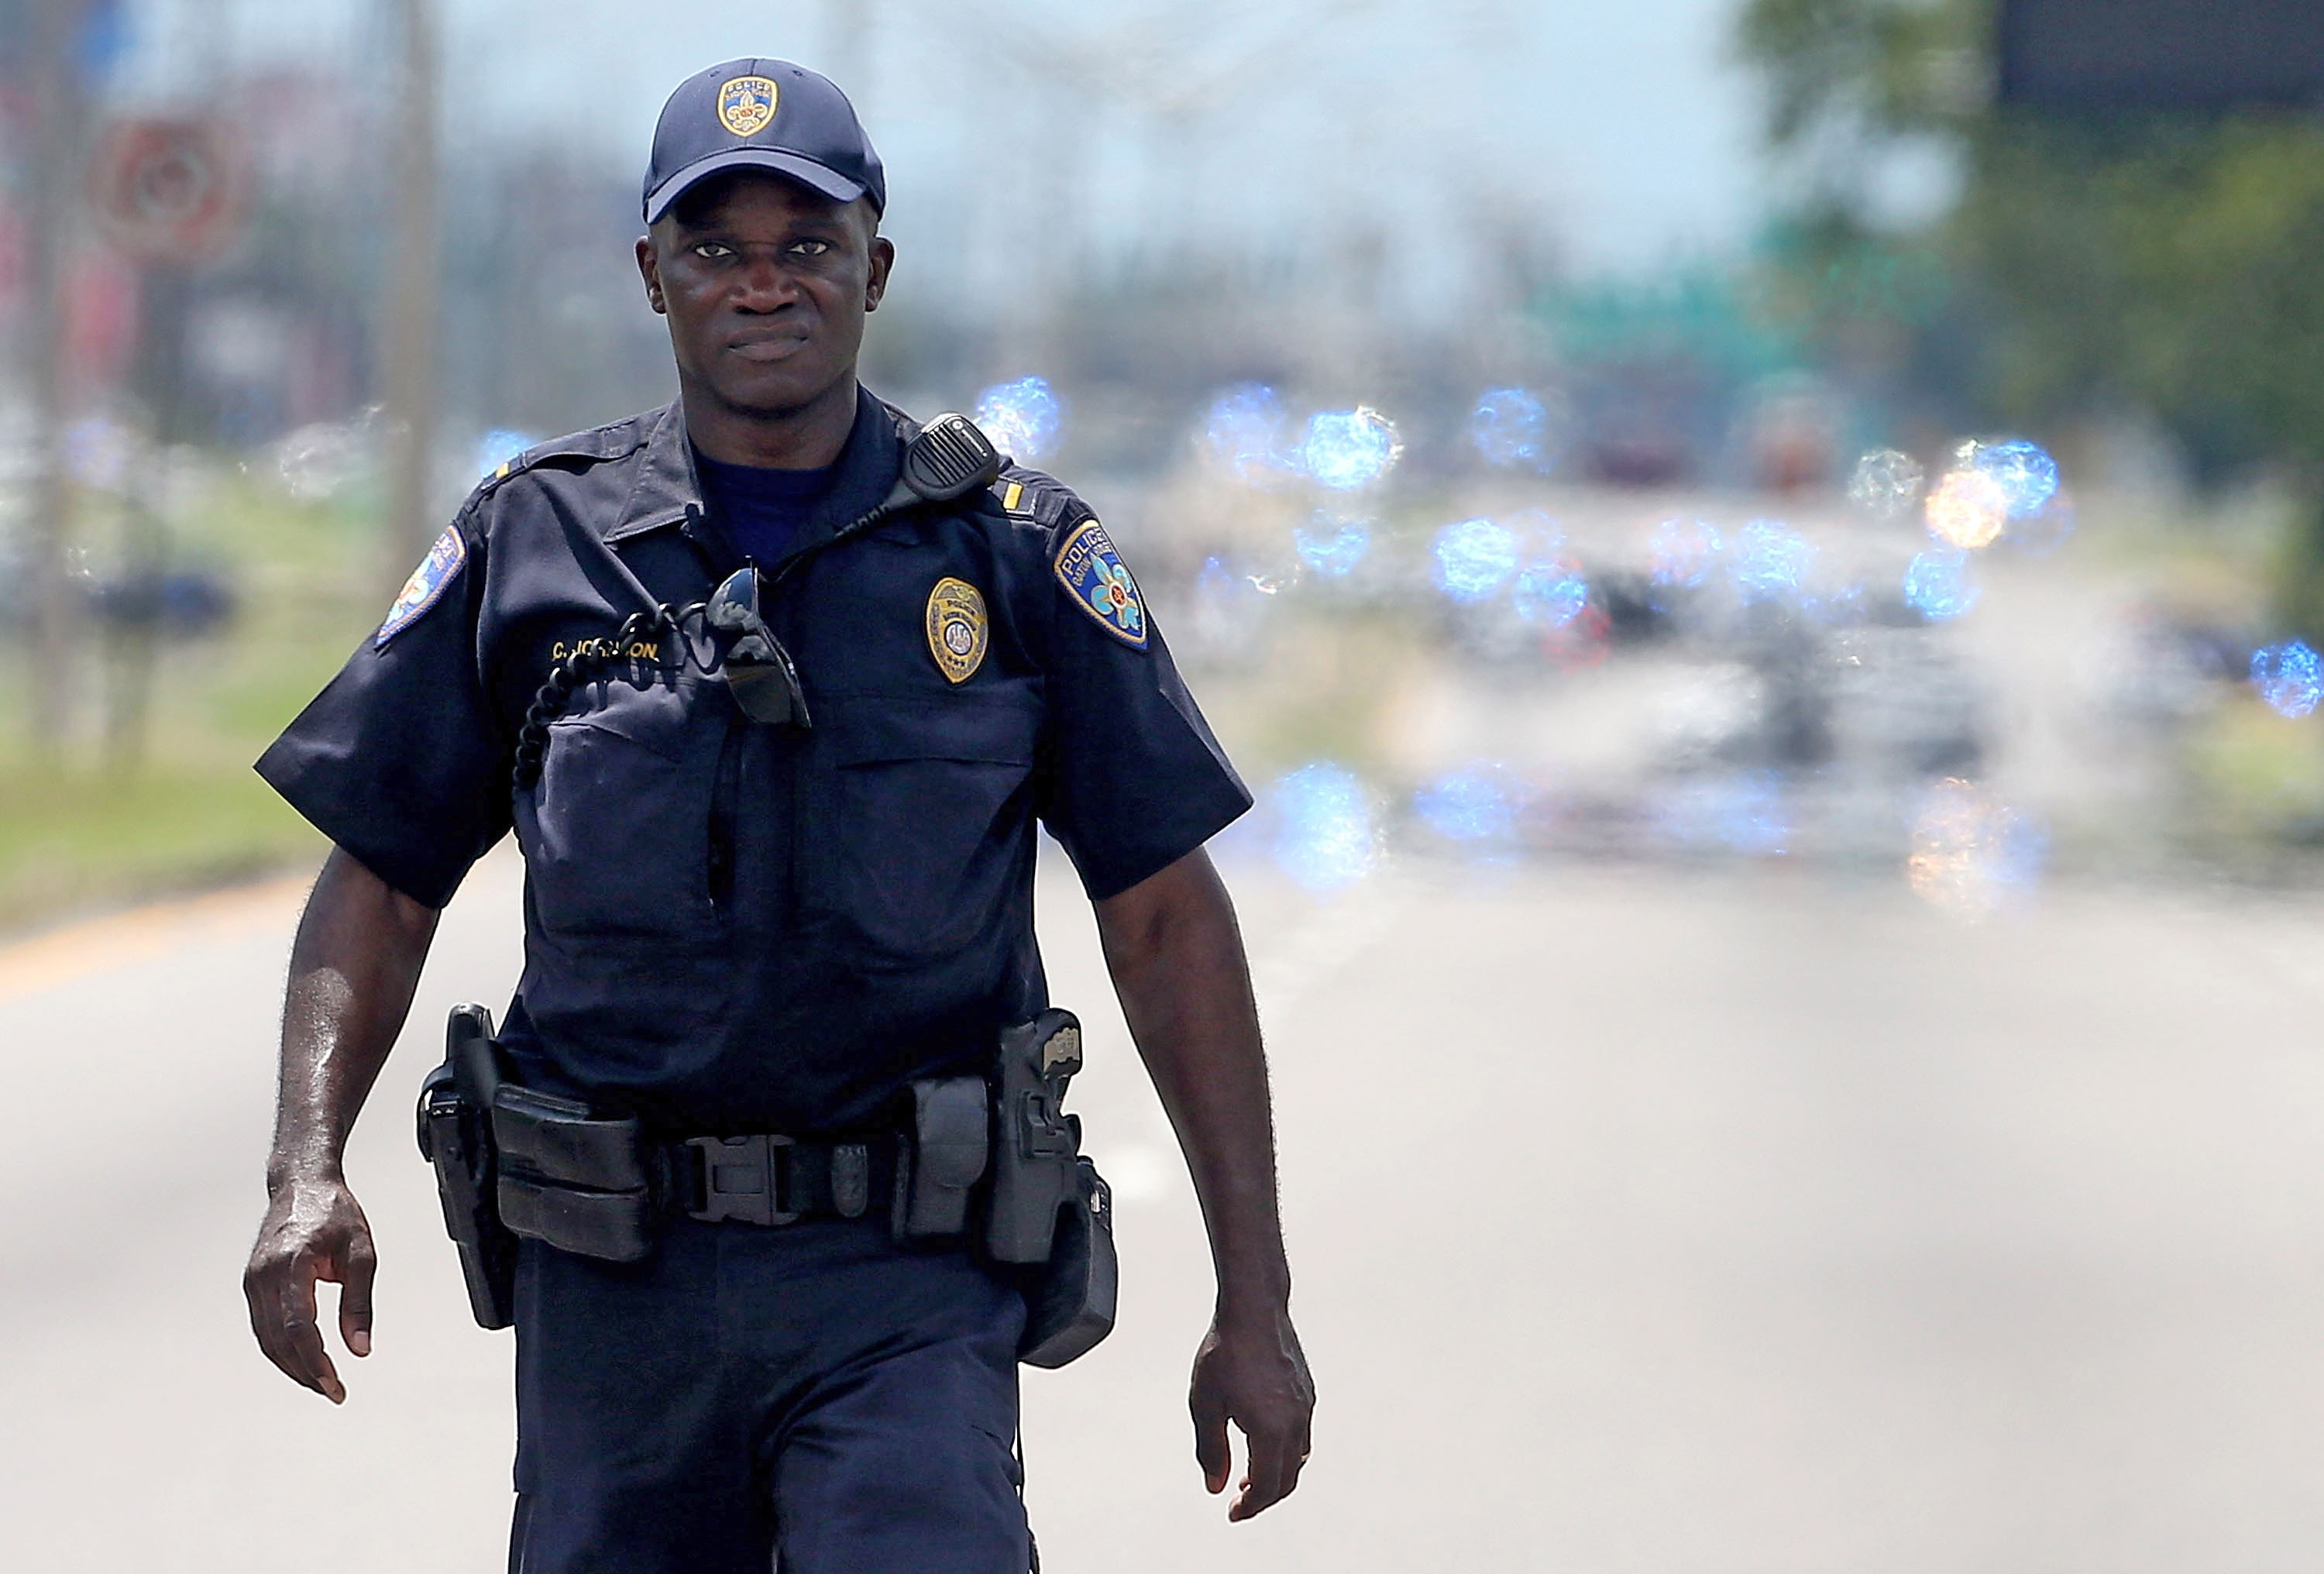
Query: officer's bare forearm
[1176, 957]
[353, 969]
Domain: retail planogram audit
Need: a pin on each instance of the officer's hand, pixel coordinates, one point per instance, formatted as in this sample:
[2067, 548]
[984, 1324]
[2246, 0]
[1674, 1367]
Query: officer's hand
[314, 1231]
[1252, 1372]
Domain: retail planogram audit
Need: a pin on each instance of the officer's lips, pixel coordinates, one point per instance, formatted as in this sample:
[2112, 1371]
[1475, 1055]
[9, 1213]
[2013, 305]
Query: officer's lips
[766, 344]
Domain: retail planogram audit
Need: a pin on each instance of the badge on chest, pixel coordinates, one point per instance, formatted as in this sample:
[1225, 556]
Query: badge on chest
[958, 629]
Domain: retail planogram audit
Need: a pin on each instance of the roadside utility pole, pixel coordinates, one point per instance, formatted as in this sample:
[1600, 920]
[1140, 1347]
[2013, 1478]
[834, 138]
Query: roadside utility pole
[409, 323]
[52, 191]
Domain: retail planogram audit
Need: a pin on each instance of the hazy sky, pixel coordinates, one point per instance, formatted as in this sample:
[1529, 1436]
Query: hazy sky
[1621, 130]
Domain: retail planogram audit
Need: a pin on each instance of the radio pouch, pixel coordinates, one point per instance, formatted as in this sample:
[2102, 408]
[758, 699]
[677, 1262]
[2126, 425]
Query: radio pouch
[574, 1180]
[1070, 1300]
[935, 1172]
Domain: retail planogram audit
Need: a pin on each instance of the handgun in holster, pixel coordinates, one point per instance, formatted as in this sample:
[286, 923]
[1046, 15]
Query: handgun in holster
[512, 1161]
[456, 1103]
[1046, 1213]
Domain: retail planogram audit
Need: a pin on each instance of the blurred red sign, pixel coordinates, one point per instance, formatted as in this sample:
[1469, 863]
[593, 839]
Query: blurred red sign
[169, 191]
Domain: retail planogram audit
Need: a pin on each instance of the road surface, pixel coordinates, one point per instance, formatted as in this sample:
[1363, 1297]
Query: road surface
[1693, 1223]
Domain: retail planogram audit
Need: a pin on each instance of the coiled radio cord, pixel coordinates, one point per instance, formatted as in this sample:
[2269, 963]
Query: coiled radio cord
[942, 463]
[579, 665]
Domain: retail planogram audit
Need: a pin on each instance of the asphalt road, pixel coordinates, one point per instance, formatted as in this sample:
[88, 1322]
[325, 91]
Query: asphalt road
[1642, 1220]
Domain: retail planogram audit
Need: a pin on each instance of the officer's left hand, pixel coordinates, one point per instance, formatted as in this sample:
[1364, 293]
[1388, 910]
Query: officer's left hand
[1251, 1371]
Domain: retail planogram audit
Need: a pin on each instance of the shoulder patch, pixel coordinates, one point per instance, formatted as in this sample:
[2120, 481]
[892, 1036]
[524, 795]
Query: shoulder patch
[427, 585]
[1092, 574]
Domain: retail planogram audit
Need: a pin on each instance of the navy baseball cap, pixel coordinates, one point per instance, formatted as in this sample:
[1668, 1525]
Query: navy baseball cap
[762, 114]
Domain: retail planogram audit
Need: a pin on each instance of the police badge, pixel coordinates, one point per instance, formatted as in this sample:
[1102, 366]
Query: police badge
[958, 631]
[746, 103]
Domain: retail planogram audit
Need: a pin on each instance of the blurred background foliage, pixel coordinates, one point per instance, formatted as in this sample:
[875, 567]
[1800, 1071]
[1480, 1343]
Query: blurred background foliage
[1589, 301]
[2170, 263]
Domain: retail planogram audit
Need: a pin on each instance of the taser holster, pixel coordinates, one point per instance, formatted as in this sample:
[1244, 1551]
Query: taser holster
[1048, 1211]
[995, 1163]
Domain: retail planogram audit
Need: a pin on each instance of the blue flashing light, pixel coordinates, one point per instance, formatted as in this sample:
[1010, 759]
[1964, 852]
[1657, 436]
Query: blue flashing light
[1023, 418]
[501, 447]
[1348, 450]
[1244, 432]
[1470, 805]
[1510, 427]
[1682, 552]
[1474, 558]
[1770, 560]
[1333, 548]
[1551, 593]
[1327, 835]
[2289, 677]
[2026, 475]
[1938, 586]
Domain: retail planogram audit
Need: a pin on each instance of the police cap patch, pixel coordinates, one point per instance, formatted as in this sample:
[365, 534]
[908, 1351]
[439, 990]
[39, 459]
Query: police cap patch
[426, 586]
[746, 103]
[1092, 574]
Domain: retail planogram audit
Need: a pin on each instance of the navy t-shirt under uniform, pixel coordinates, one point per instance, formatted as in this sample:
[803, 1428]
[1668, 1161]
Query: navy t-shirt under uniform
[759, 509]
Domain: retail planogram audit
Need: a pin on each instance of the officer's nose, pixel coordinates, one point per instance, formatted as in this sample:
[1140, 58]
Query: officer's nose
[763, 286]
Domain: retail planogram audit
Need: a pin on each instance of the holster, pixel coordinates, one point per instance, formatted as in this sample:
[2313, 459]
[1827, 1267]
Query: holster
[1069, 1301]
[1048, 1212]
[512, 1161]
[455, 1138]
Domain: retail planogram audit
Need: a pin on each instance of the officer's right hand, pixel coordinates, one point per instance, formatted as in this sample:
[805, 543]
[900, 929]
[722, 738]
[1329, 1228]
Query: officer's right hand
[314, 1231]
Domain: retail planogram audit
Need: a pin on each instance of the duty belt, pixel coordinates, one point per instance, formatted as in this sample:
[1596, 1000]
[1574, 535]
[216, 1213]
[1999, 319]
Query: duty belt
[766, 1179]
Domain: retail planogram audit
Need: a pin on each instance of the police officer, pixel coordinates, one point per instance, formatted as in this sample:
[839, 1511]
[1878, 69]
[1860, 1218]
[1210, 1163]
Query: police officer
[737, 926]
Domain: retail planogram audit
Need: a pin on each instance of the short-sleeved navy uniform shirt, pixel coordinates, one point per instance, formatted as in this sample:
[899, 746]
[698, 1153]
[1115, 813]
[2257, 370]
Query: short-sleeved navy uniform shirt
[734, 928]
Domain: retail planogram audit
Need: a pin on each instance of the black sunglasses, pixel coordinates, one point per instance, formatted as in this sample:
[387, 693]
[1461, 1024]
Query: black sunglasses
[945, 460]
[759, 671]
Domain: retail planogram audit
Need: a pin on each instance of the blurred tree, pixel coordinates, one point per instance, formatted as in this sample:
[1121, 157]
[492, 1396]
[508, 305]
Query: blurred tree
[2174, 263]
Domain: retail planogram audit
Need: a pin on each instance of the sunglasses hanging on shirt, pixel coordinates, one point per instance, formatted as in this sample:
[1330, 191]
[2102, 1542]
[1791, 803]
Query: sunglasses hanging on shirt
[947, 459]
[943, 462]
[759, 672]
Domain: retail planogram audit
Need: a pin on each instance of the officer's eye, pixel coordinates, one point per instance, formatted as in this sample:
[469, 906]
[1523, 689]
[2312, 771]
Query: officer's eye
[810, 247]
[713, 251]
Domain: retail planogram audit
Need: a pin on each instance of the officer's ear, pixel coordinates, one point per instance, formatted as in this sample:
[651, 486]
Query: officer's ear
[875, 281]
[649, 269]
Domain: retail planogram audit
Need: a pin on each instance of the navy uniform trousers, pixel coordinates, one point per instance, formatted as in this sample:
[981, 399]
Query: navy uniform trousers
[811, 1387]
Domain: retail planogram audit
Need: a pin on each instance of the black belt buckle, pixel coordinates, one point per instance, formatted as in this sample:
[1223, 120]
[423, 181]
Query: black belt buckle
[744, 1178]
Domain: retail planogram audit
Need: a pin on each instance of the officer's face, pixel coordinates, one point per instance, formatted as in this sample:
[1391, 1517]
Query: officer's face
[766, 285]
